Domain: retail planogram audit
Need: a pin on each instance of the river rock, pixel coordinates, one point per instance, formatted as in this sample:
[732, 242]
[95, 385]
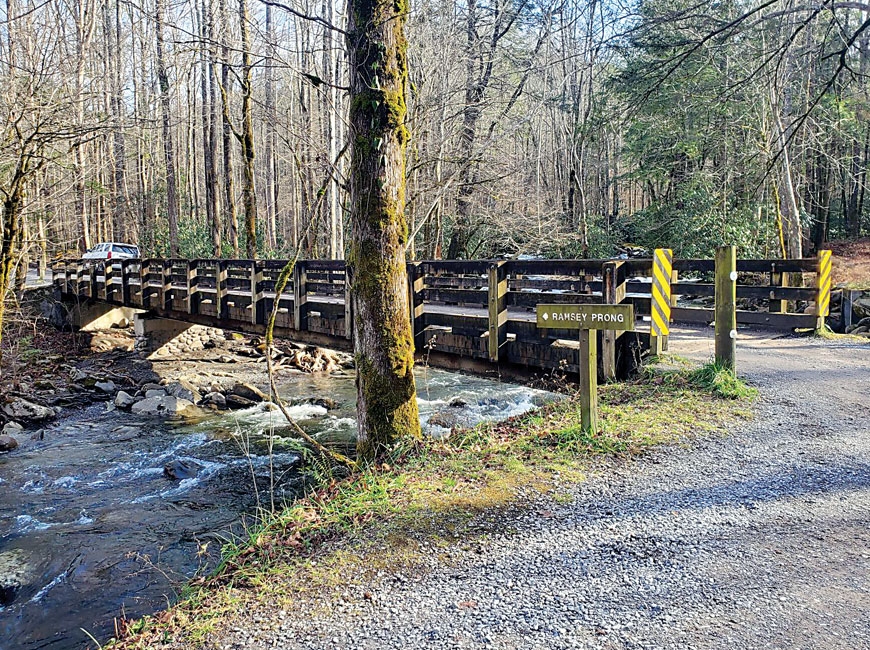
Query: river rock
[124, 400]
[179, 470]
[326, 402]
[247, 391]
[21, 409]
[239, 402]
[183, 390]
[155, 392]
[11, 428]
[215, 398]
[7, 443]
[164, 405]
[458, 403]
[107, 387]
[14, 572]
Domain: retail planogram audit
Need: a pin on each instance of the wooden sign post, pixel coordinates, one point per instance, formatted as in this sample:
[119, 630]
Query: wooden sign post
[587, 318]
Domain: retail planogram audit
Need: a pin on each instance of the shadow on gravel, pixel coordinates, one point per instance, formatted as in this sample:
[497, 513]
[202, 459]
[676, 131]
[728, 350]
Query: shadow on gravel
[797, 482]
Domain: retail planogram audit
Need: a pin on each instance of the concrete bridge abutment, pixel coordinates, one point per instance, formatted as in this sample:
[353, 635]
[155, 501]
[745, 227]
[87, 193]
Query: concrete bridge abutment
[88, 315]
[154, 333]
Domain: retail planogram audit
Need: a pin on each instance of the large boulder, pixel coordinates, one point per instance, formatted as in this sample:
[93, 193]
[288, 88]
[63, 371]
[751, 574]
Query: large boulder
[7, 443]
[24, 411]
[165, 405]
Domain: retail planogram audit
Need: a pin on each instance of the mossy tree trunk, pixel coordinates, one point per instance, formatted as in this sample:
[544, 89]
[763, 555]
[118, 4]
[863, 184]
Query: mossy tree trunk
[13, 203]
[383, 341]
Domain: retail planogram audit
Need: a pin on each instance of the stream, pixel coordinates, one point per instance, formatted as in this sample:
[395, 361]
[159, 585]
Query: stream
[95, 531]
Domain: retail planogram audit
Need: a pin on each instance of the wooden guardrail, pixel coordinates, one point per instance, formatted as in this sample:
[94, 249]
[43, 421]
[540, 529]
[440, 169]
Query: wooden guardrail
[482, 310]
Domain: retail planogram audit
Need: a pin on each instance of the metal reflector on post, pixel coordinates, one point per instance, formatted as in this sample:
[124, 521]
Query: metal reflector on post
[823, 285]
[661, 298]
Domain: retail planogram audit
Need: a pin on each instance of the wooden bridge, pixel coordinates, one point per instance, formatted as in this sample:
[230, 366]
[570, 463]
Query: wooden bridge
[466, 314]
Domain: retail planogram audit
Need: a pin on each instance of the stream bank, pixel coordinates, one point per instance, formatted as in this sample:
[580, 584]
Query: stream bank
[105, 512]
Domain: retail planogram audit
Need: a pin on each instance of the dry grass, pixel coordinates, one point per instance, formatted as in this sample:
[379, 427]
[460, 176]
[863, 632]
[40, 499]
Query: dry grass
[851, 262]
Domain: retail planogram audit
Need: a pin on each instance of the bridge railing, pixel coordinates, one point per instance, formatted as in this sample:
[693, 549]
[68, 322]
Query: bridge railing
[481, 309]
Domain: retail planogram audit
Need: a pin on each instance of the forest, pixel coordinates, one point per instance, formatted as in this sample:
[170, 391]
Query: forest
[555, 128]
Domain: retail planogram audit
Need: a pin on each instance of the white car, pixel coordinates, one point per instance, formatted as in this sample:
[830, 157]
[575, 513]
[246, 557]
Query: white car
[112, 251]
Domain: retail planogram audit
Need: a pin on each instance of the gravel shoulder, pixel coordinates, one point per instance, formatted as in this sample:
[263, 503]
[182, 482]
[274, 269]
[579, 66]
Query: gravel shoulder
[759, 538]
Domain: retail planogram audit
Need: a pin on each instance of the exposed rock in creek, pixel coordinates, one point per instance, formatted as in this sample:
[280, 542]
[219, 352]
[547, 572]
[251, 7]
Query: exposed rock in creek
[164, 405]
[458, 403]
[248, 392]
[24, 411]
[11, 428]
[124, 400]
[7, 443]
[216, 399]
[155, 392]
[178, 470]
[183, 390]
[125, 433]
[326, 402]
[15, 571]
[239, 402]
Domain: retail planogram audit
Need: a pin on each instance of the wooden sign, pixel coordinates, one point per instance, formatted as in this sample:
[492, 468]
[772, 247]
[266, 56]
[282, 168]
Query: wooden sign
[586, 317]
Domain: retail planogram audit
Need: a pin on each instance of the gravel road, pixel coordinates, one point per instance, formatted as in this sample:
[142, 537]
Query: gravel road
[756, 539]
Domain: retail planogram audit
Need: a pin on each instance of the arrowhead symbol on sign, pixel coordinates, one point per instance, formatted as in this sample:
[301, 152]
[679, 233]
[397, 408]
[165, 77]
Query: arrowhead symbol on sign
[545, 316]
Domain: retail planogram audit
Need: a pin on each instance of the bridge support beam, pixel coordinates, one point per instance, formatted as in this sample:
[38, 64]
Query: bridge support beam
[153, 332]
[89, 316]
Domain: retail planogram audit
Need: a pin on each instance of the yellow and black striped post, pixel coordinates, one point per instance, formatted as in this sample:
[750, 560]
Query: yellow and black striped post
[823, 287]
[661, 299]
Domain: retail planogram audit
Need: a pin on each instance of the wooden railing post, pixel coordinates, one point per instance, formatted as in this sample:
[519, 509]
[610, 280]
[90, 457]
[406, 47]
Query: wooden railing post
[258, 306]
[613, 293]
[93, 289]
[498, 316]
[348, 306]
[415, 304]
[726, 305]
[144, 286]
[823, 289]
[193, 294]
[777, 281]
[300, 296]
[166, 284]
[109, 285]
[220, 285]
[80, 272]
[125, 282]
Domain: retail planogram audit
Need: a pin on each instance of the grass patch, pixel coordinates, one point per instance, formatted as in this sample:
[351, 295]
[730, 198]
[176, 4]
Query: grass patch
[722, 381]
[429, 495]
